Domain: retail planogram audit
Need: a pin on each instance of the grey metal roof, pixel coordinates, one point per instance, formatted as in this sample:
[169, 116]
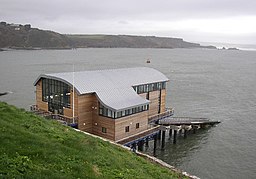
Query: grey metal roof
[113, 87]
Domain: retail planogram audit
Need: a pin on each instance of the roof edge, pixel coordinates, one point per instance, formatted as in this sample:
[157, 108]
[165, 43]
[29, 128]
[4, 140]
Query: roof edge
[55, 78]
[121, 109]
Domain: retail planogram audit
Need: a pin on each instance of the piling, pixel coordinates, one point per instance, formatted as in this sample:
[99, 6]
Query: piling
[146, 142]
[194, 130]
[159, 135]
[155, 140]
[134, 147]
[175, 137]
[185, 133]
[163, 139]
[170, 133]
[140, 145]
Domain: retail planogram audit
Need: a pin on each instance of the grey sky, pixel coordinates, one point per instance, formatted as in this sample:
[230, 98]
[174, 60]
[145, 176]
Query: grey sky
[232, 21]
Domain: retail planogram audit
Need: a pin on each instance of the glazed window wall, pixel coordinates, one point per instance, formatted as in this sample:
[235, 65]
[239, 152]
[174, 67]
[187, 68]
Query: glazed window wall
[103, 111]
[149, 87]
[56, 92]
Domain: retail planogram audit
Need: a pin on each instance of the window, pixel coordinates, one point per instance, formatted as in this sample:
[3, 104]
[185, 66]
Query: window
[104, 130]
[137, 125]
[127, 129]
[56, 92]
[103, 111]
[149, 87]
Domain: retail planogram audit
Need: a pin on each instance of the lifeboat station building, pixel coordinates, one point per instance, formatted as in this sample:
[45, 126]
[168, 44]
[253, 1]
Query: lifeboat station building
[113, 104]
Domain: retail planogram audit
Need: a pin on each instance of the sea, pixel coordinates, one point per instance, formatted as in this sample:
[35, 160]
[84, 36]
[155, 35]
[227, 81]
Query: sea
[216, 84]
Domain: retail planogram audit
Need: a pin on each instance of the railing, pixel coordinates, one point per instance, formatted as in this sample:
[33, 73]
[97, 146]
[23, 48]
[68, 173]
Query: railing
[168, 112]
[68, 120]
[34, 107]
[61, 118]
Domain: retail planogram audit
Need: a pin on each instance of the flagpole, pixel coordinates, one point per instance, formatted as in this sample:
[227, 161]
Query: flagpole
[73, 76]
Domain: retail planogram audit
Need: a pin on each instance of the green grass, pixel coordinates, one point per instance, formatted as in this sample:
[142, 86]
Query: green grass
[33, 147]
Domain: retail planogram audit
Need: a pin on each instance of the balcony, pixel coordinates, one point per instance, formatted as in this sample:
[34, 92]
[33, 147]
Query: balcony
[168, 112]
[73, 122]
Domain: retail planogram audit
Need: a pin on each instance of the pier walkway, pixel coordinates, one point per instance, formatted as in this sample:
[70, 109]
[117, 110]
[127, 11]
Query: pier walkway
[186, 121]
[166, 123]
[145, 135]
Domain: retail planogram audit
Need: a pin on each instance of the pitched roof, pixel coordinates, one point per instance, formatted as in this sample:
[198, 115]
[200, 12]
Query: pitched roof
[113, 87]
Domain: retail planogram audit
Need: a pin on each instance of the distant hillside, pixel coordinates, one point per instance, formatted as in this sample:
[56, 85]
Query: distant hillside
[33, 147]
[23, 36]
[128, 41]
[19, 36]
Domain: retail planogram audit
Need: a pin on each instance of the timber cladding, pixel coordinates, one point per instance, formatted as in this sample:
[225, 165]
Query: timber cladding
[163, 100]
[86, 107]
[69, 111]
[157, 101]
[100, 122]
[131, 121]
[39, 99]
[154, 102]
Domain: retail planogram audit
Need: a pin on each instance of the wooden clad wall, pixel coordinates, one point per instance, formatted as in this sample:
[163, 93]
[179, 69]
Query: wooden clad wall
[143, 95]
[163, 100]
[154, 102]
[39, 97]
[108, 123]
[121, 123]
[69, 111]
[85, 111]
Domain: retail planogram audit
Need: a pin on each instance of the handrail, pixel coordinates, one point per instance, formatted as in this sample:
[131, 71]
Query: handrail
[169, 112]
[69, 120]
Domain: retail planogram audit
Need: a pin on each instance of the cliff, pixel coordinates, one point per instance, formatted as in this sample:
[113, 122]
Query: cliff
[128, 41]
[23, 36]
[19, 36]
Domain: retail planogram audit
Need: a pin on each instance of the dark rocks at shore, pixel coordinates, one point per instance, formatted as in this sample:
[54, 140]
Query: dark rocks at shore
[233, 48]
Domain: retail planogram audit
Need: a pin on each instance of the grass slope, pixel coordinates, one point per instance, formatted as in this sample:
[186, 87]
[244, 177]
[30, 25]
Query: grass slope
[33, 147]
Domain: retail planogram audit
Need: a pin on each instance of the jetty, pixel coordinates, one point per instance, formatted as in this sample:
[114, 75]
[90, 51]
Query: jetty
[162, 124]
[187, 121]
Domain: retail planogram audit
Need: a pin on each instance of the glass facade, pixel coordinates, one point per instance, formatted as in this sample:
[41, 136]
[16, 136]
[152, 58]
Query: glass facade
[103, 111]
[57, 94]
[149, 87]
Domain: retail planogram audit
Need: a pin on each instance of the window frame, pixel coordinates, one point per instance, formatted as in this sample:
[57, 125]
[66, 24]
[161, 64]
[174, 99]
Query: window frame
[104, 130]
[127, 129]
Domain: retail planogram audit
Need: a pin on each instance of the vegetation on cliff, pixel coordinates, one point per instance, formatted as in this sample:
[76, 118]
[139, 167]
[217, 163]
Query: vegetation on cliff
[19, 36]
[33, 147]
[23, 36]
[128, 41]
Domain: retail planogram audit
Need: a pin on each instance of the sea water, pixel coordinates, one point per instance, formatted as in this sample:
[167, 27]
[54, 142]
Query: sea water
[216, 84]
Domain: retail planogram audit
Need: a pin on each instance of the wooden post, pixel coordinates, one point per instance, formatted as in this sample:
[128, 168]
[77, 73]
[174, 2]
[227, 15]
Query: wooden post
[155, 140]
[194, 130]
[146, 142]
[185, 133]
[163, 139]
[140, 145]
[134, 147]
[175, 137]
[159, 135]
[170, 133]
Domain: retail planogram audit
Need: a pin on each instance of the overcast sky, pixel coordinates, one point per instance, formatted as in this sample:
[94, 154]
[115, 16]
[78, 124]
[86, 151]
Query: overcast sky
[230, 21]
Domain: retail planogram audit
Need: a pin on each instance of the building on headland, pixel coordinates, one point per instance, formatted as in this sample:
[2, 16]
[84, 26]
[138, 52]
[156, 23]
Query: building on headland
[113, 104]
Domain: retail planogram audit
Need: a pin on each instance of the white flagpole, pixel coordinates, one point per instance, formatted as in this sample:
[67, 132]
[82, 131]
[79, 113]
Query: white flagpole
[73, 93]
